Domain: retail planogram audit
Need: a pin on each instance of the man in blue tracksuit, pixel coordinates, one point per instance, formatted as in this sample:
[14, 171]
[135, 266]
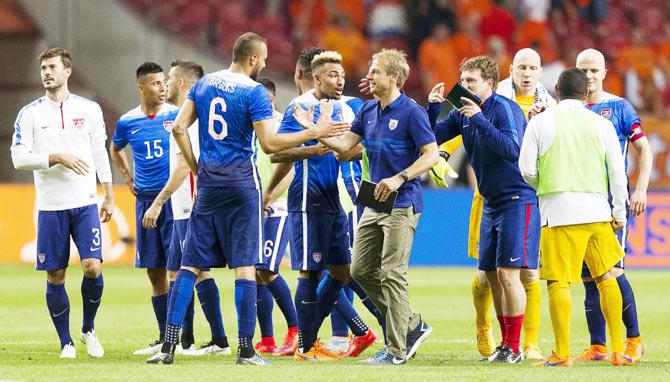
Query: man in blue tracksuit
[510, 228]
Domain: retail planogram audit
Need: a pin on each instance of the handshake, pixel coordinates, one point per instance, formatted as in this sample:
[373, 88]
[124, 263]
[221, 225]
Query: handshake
[324, 126]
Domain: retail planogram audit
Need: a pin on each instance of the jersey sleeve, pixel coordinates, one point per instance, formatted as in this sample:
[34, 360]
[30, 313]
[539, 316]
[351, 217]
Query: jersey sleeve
[356, 125]
[420, 131]
[288, 123]
[260, 105]
[355, 104]
[98, 149]
[23, 155]
[120, 138]
[191, 93]
[631, 122]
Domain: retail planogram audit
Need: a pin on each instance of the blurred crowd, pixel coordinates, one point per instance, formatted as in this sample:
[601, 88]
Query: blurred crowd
[439, 34]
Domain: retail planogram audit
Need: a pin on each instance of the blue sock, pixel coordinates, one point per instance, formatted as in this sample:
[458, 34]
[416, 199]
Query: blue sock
[594, 314]
[91, 294]
[180, 298]
[337, 323]
[160, 304]
[328, 295]
[59, 310]
[208, 294]
[282, 294]
[187, 324]
[264, 305]
[369, 304]
[305, 305]
[245, 302]
[629, 308]
[350, 316]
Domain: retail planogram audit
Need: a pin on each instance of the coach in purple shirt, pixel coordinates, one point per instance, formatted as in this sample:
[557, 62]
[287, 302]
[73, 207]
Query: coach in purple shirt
[400, 145]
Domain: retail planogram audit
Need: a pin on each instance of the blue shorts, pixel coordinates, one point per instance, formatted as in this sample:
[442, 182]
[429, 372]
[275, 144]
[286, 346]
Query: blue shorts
[509, 237]
[53, 236]
[225, 229]
[153, 244]
[354, 217]
[276, 241]
[318, 239]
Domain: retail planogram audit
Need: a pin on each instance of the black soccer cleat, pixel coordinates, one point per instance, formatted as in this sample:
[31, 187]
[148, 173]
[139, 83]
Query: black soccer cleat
[165, 356]
[507, 355]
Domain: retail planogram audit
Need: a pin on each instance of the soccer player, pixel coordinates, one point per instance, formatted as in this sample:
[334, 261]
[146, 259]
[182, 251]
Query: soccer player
[61, 138]
[317, 222]
[383, 242]
[628, 128]
[271, 285]
[573, 158]
[524, 87]
[180, 189]
[510, 221]
[225, 227]
[147, 129]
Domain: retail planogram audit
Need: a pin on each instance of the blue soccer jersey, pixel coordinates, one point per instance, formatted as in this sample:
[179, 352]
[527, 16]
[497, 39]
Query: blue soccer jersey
[228, 104]
[624, 118]
[351, 171]
[149, 139]
[314, 185]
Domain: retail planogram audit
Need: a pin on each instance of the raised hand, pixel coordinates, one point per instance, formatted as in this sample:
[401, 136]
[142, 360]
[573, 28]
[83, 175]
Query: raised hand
[469, 108]
[304, 117]
[364, 86]
[437, 93]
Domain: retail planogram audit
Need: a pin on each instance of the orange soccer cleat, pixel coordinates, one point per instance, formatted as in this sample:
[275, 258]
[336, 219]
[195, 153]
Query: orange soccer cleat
[554, 361]
[634, 348]
[593, 353]
[620, 359]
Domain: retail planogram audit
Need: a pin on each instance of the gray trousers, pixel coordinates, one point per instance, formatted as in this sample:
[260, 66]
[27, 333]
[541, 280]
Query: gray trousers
[381, 254]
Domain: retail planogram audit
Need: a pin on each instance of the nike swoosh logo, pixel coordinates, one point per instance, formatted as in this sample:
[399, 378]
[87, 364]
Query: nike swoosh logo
[203, 303]
[397, 361]
[514, 259]
[61, 313]
[307, 302]
[95, 301]
[94, 249]
[134, 131]
[627, 306]
[588, 310]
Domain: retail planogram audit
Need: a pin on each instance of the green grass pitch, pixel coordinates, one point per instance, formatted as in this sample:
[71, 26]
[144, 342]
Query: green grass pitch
[29, 345]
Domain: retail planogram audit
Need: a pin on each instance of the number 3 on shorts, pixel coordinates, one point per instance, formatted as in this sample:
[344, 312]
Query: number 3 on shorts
[214, 117]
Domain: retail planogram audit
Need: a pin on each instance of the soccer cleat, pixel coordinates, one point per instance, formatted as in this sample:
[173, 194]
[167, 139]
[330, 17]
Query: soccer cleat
[593, 353]
[266, 345]
[358, 344]
[416, 337]
[620, 359]
[553, 360]
[290, 343]
[93, 346]
[387, 359]
[180, 349]
[485, 340]
[493, 355]
[309, 356]
[68, 352]
[532, 351]
[164, 356]
[318, 352]
[209, 348]
[255, 360]
[379, 354]
[339, 345]
[634, 348]
[150, 350]
[507, 355]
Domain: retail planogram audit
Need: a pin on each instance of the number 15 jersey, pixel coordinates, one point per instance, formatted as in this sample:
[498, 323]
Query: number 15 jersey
[227, 105]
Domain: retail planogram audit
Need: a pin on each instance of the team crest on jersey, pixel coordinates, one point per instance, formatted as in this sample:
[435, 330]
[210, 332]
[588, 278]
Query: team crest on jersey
[78, 122]
[393, 123]
[41, 257]
[606, 113]
[167, 125]
[316, 256]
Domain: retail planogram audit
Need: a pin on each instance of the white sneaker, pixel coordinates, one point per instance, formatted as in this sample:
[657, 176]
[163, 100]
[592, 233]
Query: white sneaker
[180, 350]
[68, 352]
[208, 349]
[338, 344]
[151, 350]
[93, 346]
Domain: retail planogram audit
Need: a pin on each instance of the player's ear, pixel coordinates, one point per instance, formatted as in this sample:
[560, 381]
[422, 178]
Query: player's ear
[604, 73]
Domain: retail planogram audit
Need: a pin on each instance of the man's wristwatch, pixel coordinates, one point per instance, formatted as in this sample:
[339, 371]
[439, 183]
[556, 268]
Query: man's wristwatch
[404, 176]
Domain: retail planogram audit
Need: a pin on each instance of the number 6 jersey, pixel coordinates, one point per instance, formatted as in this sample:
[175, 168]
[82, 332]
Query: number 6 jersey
[227, 105]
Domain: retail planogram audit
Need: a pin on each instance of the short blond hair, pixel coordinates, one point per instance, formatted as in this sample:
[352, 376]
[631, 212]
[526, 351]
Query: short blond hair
[487, 66]
[323, 58]
[394, 62]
